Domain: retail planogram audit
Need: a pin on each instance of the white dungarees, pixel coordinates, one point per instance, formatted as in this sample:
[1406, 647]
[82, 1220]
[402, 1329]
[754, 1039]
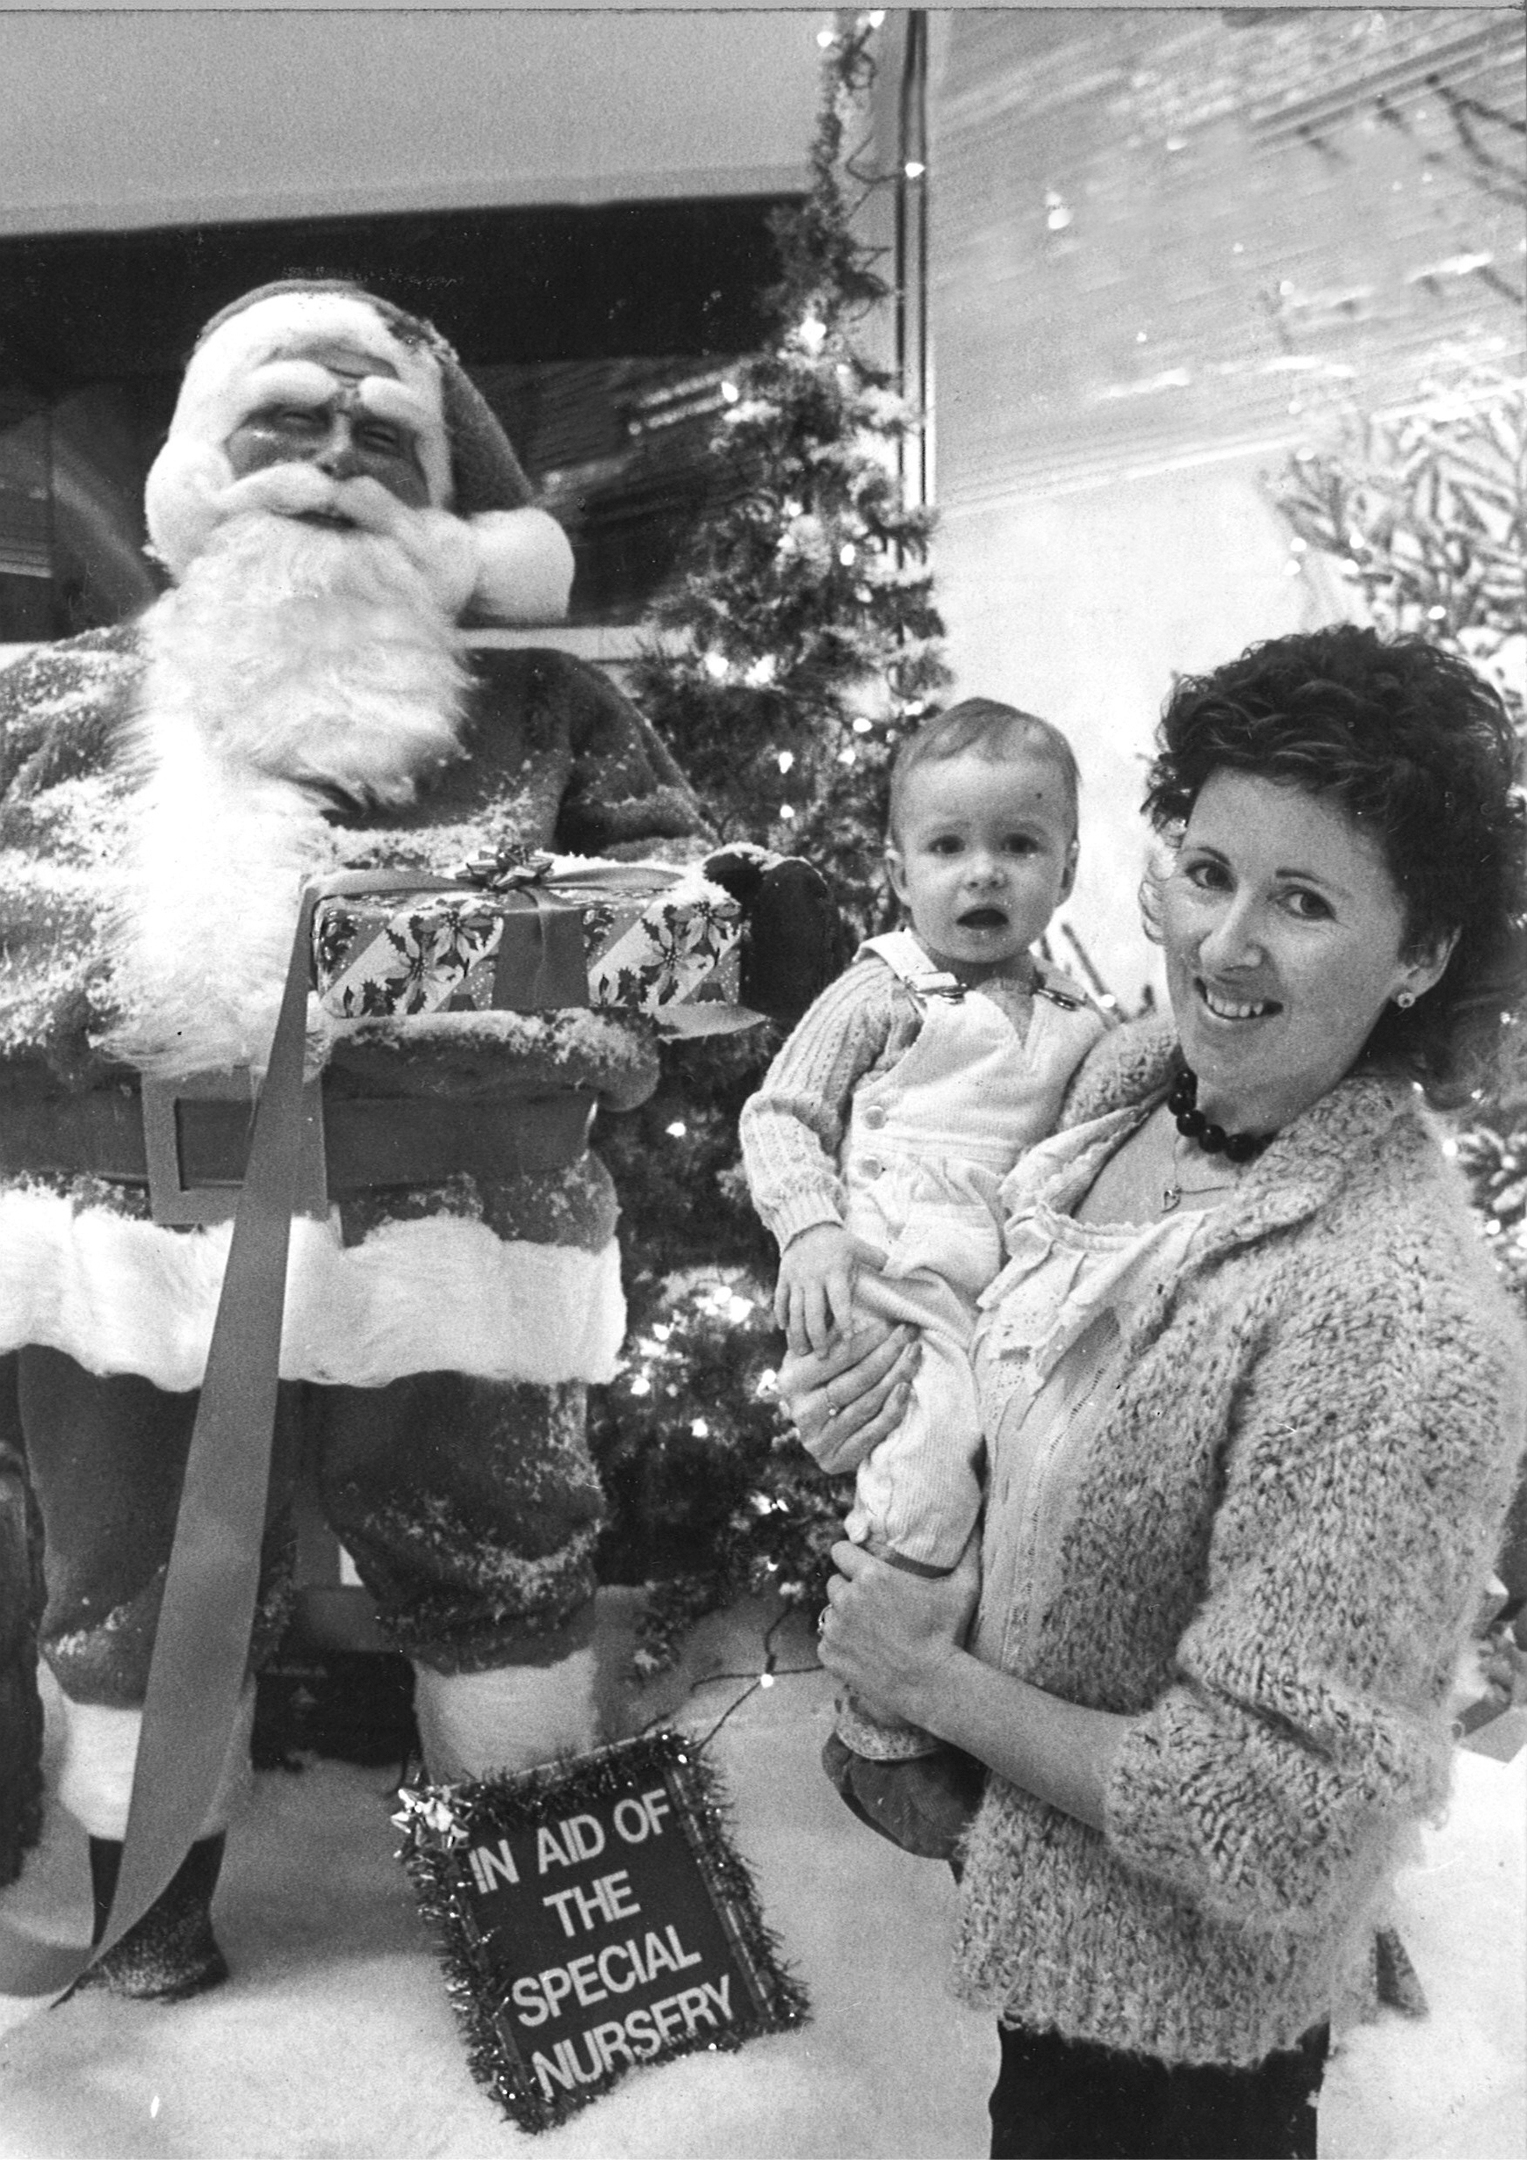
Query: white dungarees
[928, 1145]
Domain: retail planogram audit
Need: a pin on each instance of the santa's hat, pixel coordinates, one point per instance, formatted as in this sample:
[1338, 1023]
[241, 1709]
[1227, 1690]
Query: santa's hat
[252, 354]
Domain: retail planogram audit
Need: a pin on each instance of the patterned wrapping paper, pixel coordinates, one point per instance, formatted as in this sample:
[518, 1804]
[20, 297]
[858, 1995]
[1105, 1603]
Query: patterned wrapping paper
[655, 940]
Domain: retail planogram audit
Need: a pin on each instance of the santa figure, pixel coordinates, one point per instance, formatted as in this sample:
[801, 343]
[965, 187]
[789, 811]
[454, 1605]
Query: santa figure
[333, 502]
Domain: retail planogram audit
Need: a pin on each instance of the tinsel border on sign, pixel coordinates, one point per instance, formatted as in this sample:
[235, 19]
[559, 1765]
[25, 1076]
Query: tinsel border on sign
[441, 1822]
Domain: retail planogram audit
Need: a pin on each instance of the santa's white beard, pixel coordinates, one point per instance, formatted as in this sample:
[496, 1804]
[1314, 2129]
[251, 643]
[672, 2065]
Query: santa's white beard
[293, 660]
[319, 653]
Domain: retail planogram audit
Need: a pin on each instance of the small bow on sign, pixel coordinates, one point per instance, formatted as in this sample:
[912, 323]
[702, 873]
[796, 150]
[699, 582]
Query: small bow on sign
[429, 1818]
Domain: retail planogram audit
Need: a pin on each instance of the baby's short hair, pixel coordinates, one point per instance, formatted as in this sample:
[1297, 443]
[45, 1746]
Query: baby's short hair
[994, 732]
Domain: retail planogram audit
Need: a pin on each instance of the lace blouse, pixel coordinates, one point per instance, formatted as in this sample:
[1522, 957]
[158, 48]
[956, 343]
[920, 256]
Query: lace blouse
[1049, 1359]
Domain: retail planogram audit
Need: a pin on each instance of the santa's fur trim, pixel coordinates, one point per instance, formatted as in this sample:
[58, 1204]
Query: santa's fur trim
[181, 504]
[509, 1718]
[216, 392]
[439, 1295]
[100, 1758]
[524, 566]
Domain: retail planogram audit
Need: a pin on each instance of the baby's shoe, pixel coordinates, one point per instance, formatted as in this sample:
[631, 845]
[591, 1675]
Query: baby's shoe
[923, 1803]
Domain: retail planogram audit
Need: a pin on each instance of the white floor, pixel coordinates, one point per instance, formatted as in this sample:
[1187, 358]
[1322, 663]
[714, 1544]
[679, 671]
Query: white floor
[335, 2041]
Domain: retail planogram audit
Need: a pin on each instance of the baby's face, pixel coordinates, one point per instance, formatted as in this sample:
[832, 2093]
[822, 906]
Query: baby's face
[984, 854]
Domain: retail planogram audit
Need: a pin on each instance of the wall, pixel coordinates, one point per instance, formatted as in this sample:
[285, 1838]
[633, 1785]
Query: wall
[1081, 607]
[1167, 247]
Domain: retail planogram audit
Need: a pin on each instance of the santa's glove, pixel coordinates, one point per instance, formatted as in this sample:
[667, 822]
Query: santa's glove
[795, 941]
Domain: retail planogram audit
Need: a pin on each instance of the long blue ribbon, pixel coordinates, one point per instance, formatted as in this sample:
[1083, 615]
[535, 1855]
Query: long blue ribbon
[201, 1646]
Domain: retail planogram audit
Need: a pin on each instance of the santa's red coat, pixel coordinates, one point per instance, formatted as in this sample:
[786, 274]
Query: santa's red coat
[514, 1280]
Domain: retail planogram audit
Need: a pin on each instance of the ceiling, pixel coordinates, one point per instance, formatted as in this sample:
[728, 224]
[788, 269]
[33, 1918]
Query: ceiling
[110, 121]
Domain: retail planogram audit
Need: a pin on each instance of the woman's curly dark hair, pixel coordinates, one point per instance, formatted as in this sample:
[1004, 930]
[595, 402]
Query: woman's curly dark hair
[1420, 753]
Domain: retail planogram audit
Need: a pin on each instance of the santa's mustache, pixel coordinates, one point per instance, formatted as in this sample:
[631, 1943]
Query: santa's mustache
[339, 511]
[306, 491]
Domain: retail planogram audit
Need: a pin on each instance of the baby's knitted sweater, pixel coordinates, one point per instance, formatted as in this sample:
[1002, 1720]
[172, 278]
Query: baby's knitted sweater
[1280, 1535]
[792, 1130]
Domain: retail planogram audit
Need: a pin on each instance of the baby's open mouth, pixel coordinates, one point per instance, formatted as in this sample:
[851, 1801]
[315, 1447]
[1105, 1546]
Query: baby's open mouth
[984, 918]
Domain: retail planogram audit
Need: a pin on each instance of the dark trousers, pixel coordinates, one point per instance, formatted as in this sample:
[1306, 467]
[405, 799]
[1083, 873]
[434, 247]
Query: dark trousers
[20, 1610]
[470, 1506]
[1073, 2100]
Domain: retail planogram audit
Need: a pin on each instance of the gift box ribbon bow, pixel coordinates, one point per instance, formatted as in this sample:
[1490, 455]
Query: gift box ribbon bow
[507, 868]
[511, 870]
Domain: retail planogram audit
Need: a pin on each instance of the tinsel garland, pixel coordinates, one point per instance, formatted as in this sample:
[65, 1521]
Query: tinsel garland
[441, 1823]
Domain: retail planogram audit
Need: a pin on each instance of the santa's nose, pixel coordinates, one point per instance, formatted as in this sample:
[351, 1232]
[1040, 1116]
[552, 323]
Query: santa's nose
[339, 454]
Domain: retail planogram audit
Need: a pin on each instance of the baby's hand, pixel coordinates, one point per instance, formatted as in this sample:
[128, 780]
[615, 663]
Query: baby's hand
[815, 1291]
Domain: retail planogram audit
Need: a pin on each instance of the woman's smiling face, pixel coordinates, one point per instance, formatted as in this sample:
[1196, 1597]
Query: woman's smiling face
[1284, 938]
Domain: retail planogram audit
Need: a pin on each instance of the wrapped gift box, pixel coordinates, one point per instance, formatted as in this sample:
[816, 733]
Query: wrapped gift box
[528, 936]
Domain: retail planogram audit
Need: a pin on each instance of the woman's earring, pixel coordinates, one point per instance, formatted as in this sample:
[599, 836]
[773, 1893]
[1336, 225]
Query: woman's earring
[1405, 999]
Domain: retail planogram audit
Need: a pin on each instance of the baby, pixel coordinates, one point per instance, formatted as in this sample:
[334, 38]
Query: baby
[885, 1127]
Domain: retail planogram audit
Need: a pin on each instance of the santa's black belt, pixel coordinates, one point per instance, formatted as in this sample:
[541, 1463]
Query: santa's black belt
[189, 1141]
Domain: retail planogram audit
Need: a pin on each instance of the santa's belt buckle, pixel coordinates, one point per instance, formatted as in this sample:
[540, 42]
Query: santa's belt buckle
[196, 1134]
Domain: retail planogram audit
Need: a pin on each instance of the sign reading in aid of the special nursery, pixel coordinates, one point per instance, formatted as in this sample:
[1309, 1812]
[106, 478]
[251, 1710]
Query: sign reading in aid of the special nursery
[596, 1917]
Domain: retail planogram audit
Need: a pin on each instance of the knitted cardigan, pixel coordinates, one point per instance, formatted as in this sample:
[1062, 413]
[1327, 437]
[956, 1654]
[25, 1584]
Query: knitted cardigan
[1281, 1534]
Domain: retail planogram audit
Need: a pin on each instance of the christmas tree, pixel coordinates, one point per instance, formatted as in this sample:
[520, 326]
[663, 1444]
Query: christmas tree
[801, 641]
[1424, 510]
[797, 646]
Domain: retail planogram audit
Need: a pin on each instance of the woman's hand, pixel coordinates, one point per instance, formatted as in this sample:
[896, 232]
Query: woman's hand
[845, 1400]
[896, 1641]
[889, 1636]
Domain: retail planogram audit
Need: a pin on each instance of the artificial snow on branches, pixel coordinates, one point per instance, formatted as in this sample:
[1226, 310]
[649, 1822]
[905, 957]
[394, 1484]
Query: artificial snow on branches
[1424, 510]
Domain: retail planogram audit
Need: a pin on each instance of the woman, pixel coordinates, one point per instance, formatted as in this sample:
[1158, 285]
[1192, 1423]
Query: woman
[1253, 1403]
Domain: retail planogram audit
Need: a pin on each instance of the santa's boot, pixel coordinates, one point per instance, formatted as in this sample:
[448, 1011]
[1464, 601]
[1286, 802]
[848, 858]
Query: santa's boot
[513, 1717]
[171, 1952]
[20, 1703]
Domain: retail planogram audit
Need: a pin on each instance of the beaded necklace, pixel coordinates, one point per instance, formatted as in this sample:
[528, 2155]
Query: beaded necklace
[1182, 1103]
